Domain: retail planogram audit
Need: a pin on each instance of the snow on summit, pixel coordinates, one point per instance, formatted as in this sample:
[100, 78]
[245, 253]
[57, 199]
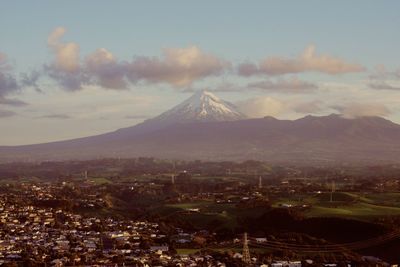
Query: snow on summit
[202, 106]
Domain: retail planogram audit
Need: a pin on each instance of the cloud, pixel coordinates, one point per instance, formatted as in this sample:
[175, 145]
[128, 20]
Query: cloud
[65, 68]
[382, 78]
[12, 102]
[136, 117]
[354, 110]
[382, 85]
[380, 72]
[248, 69]
[222, 87]
[6, 113]
[267, 106]
[311, 107]
[68, 81]
[308, 61]
[4, 66]
[31, 80]
[55, 116]
[178, 67]
[66, 54]
[292, 85]
[8, 83]
[104, 69]
[261, 106]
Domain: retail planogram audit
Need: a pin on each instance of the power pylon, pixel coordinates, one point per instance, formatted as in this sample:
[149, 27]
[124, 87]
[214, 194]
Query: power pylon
[246, 253]
[173, 175]
[333, 189]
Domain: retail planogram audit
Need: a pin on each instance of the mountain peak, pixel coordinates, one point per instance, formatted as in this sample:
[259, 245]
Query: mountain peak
[202, 106]
[204, 92]
[201, 98]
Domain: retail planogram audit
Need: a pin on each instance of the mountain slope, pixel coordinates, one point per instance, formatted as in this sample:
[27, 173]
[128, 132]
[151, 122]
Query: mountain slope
[310, 139]
[202, 106]
[307, 140]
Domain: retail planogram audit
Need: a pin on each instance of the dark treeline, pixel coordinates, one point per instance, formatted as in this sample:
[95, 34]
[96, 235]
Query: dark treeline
[115, 168]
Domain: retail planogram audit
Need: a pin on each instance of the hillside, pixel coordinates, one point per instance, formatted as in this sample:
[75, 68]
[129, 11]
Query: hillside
[310, 139]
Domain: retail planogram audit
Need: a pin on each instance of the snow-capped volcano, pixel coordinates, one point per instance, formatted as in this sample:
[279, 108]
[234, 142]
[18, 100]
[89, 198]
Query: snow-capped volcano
[202, 106]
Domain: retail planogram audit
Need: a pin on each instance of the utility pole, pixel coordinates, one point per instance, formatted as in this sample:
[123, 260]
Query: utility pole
[260, 182]
[173, 175]
[332, 190]
[246, 253]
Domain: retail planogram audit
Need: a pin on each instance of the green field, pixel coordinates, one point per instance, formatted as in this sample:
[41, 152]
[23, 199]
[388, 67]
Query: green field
[100, 180]
[187, 251]
[211, 214]
[345, 204]
[358, 210]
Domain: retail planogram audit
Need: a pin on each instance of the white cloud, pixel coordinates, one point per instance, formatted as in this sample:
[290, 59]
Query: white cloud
[309, 107]
[308, 61]
[383, 79]
[383, 85]
[178, 67]
[354, 110]
[291, 85]
[380, 72]
[66, 54]
[65, 68]
[105, 70]
[261, 106]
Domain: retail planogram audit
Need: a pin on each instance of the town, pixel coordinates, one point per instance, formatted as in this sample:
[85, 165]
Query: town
[194, 215]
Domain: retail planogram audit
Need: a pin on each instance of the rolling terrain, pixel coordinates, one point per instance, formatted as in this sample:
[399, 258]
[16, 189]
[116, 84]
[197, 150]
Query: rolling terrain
[208, 128]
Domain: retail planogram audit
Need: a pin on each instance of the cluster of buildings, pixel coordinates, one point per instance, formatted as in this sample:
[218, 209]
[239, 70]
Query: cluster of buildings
[55, 237]
[38, 227]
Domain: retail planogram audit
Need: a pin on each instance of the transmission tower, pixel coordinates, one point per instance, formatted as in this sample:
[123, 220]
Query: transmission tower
[173, 175]
[246, 253]
[333, 189]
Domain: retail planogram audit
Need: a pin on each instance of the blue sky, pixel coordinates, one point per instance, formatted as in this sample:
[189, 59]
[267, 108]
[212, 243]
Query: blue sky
[360, 30]
[353, 68]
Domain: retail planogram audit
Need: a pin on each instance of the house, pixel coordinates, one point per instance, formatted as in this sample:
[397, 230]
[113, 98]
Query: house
[261, 239]
[163, 248]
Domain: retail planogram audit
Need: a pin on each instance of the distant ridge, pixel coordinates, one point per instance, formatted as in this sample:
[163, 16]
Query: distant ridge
[208, 128]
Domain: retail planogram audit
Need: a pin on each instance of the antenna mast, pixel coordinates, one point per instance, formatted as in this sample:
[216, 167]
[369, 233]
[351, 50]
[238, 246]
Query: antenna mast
[246, 253]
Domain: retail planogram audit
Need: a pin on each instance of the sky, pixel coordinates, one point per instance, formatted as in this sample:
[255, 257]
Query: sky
[77, 68]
